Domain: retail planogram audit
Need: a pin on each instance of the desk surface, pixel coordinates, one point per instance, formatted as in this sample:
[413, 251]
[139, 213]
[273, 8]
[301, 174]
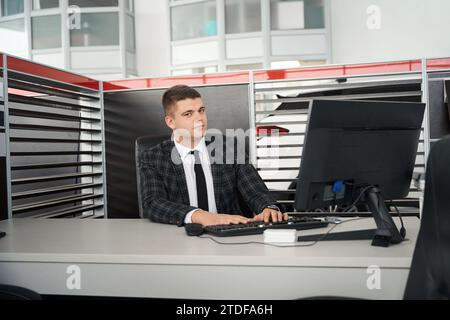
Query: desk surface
[155, 260]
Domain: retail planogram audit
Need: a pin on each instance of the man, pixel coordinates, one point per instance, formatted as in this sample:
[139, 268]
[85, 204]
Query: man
[180, 184]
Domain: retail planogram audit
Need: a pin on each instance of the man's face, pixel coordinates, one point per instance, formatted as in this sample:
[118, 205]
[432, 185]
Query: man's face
[188, 117]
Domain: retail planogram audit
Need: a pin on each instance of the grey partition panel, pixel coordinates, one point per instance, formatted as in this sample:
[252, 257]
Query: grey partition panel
[129, 115]
[24, 167]
[55, 149]
[285, 105]
[439, 116]
[3, 189]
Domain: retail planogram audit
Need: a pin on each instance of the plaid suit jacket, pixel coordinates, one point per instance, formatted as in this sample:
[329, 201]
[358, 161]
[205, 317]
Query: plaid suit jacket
[164, 192]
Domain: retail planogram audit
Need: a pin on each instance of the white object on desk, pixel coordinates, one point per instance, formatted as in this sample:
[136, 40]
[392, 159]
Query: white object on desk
[280, 236]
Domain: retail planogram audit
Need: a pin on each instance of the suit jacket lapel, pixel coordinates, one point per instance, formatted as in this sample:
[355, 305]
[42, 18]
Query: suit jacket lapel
[178, 168]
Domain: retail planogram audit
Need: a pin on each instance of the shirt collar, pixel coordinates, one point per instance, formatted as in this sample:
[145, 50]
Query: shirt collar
[184, 151]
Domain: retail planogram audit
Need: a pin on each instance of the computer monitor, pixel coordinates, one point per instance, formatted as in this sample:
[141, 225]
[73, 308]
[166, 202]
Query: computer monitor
[359, 151]
[447, 91]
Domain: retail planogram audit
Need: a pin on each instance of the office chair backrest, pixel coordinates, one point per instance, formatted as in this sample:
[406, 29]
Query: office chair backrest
[142, 144]
[429, 276]
[17, 293]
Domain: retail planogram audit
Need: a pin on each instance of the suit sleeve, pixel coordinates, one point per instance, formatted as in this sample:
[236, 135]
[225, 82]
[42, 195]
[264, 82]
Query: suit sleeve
[253, 188]
[154, 197]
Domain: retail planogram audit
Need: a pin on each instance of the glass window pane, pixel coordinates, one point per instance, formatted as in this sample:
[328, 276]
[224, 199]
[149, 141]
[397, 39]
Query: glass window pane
[294, 14]
[130, 32]
[94, 3]
[46, 32]
[314, 14]
[11, 7]
[45, 4]
[242, 16]
[97, 29]
[13, 39]
[194, 20]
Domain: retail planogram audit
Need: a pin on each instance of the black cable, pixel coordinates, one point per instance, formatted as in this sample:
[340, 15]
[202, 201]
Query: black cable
[358, 198]
[280, 246]
[402, 229]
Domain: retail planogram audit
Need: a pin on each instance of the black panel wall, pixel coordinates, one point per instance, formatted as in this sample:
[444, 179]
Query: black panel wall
[129, 115]
[439, 113]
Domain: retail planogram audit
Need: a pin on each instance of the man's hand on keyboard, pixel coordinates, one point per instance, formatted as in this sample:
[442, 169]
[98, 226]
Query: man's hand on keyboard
[206, 218]
[270, 215]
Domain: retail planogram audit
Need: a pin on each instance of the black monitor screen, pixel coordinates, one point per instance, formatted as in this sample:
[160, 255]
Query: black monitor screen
[359, 151]
[353, 144]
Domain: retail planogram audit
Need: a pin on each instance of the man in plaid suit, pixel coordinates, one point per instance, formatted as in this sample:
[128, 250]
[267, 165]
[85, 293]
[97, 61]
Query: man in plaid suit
[181, 182]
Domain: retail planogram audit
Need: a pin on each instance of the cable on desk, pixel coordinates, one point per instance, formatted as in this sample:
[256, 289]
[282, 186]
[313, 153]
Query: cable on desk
[280, 246]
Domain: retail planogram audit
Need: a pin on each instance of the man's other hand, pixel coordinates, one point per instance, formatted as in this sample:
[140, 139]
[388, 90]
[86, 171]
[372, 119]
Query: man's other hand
[206, 218]
[270, 215]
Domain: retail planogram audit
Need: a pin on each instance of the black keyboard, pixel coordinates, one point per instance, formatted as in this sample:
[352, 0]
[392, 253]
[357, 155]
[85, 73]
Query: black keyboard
[298, 223]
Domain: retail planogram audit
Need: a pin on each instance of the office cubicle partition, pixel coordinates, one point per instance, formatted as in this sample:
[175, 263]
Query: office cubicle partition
[438, 79]
[3, 165]
[279, 100]
[53, 142]
[59, 127]
[132, 114]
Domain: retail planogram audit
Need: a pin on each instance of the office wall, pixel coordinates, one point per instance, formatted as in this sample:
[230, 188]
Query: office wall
[152, 38]
[129, 115]
[408, 28]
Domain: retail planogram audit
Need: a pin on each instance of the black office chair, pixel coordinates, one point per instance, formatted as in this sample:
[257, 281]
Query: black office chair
[142, 144]
[429, 276]
[17, 293]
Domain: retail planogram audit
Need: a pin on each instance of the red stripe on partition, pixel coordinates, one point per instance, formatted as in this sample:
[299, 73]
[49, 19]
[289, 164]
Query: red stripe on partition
[39, 70]
[282, 74]
[338, 71]
[191, 80]
[437, 64]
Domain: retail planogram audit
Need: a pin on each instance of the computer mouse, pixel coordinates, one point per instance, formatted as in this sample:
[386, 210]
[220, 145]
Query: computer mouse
[193, 229]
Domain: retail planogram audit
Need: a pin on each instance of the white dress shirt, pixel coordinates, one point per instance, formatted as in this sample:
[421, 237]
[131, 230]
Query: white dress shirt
[188, 165]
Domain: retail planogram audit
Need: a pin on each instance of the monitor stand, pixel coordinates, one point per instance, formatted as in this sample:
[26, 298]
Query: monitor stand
[385, 234]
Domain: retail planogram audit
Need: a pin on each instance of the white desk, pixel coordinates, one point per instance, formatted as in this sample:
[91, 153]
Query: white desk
[137, 258]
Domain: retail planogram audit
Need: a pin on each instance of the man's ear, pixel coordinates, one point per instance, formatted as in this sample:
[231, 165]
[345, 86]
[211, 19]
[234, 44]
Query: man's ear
[170, 122]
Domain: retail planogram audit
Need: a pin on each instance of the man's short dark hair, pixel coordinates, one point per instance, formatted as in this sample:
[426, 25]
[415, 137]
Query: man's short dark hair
[177, 93]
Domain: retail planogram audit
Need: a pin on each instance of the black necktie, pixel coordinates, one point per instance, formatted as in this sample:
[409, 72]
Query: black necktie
[202, 193]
